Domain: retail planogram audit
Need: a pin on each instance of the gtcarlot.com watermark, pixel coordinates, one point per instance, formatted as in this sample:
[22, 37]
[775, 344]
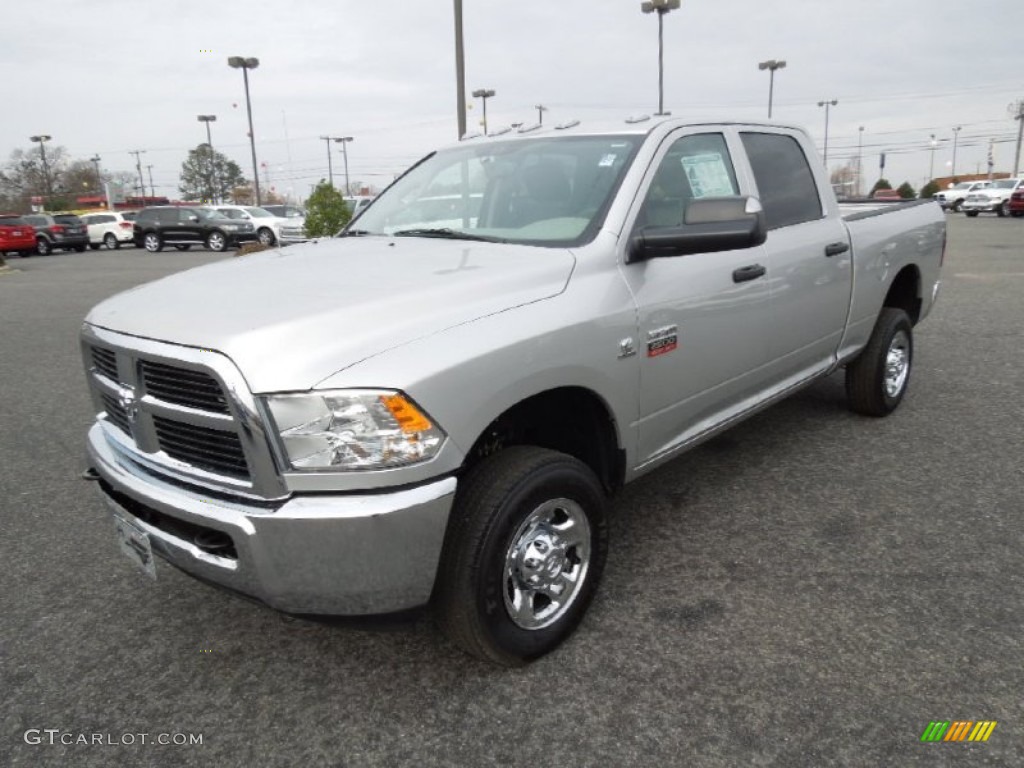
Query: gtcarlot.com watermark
[54, 736]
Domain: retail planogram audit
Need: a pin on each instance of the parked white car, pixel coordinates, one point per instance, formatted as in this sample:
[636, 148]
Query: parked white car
[994, 199]
[956, 195]
[270, 229]
[109, 228]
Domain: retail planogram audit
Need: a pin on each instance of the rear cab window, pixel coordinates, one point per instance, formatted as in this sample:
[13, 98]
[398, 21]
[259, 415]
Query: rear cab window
[785, 182]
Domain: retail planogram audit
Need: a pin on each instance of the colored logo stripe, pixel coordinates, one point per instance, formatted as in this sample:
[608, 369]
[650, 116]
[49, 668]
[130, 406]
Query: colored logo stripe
[958, 730]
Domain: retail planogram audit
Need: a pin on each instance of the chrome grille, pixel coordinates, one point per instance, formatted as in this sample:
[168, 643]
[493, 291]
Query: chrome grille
[183, 386]
[115, 413]
[105, 362]
[209, 449]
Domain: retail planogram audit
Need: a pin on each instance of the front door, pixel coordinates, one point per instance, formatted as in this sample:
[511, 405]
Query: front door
[704, 328]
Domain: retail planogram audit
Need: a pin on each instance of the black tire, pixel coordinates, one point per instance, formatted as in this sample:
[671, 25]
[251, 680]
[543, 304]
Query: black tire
[872, 388]
[971, 214]
[26, 254]
[955, 207]
[183, 247]
[152, 242]
[266, 237]
[94, 246]
[494, 502]
[110, 240]
[43, 247]
[1017, 214]
[1003, 209]
[217, 241]
[79, 249]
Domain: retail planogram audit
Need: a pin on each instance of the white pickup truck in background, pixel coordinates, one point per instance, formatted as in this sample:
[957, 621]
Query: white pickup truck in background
[436, 406]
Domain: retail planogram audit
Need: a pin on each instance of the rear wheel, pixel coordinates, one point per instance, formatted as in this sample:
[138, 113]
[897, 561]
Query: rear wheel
[524, 552]
[80, 249]
[1004, 208]
[43, 247]
[111, 241]
[971, 214]
[216, 241]
[266, 237]
[877, 380]
[152, 242]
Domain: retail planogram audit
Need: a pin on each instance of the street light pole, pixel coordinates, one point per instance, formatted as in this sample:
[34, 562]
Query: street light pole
[771, 65]
[152, 189]
[460, 72]
[211, 171]
[541, 109]
[931, 164]
[956, 137]
[41, 139]
[245, 64]
[344, 140]
[485, 94]
[661, 7]
[95, 160]
[826, 105]
[860, 158]
[1017, 112]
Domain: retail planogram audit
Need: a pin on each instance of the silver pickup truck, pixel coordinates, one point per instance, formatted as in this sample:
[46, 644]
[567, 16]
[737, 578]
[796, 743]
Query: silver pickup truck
[435, 406]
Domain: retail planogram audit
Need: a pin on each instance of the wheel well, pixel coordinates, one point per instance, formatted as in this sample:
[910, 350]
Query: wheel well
[905, 294]
[572, 420]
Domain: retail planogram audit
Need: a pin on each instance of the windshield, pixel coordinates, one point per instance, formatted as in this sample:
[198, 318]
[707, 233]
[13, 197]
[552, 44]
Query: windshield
[259, 213]
[543, 191]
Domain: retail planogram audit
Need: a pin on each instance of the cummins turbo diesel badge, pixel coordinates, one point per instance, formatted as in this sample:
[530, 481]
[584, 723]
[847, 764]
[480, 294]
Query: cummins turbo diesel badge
[662, 340]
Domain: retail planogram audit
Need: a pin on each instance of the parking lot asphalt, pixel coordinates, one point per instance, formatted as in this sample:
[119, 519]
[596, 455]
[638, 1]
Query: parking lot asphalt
[811, 588]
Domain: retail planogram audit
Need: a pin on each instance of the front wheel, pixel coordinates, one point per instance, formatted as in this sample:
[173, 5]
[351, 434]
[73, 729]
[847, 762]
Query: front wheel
[152, 242]
[43, 247]
[955, 207]
[877, 380]
[216, 241]
[110, 240]
[525, 548]
[266, 237]
[1003, 209]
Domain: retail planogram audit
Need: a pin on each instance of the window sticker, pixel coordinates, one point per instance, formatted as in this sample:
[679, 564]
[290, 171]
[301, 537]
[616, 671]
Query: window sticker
[708, 175]
[607, 161]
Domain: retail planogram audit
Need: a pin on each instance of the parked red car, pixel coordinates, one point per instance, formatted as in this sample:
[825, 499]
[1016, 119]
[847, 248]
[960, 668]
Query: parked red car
[1016, 205]
[17, 236]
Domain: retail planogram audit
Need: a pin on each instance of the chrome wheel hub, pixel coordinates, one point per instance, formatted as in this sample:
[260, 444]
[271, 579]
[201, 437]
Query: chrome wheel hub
[546, 564]
[897, 364]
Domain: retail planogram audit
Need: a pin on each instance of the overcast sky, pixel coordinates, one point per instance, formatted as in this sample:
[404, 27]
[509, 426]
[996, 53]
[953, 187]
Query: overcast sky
[109, 76]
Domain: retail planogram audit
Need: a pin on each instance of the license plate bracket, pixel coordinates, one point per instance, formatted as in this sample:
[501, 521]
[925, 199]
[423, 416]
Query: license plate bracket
[134, 543]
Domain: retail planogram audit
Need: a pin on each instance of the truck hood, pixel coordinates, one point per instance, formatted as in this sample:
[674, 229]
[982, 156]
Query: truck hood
[290, 318]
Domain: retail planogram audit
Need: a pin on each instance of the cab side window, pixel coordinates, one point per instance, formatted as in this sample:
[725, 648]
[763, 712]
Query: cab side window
[695, 166]
[785, 183]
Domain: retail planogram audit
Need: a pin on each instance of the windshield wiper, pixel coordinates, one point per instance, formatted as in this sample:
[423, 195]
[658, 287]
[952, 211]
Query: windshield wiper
[354, 233]
[447, 233]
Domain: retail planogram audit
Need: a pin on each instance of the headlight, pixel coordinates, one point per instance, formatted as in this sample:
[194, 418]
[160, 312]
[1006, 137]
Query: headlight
[353, 429]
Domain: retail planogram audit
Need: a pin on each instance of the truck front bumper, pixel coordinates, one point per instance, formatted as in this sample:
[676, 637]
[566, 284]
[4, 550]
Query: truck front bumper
[331, 554]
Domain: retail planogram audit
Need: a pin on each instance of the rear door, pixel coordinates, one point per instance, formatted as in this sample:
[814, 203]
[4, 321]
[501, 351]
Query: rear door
[811, 279]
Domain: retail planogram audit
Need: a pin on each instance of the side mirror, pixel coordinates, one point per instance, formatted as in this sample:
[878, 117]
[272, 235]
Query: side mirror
[710, 224]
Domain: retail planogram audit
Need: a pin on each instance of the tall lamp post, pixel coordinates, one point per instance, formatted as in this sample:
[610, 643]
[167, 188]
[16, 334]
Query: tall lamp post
[541, 109]
[661, 7]
[826, 105]
[95, 160]
[211, 171]
[41, 140]
[344, 140]
[485, 94]
[460, 72]
[931, 164]
[330, 165]
[245, 64]
[860, 158]
[1016, 111]
[956, 137]
[771, 65]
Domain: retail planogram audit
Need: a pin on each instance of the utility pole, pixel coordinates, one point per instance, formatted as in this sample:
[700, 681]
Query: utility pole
[826, 105]
[344, 140]
[41, 141]
[860, 158]
[152, 189]
[330, 165]
[956, 136]
[138, 167]
[541, 109]
[1017, 112]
